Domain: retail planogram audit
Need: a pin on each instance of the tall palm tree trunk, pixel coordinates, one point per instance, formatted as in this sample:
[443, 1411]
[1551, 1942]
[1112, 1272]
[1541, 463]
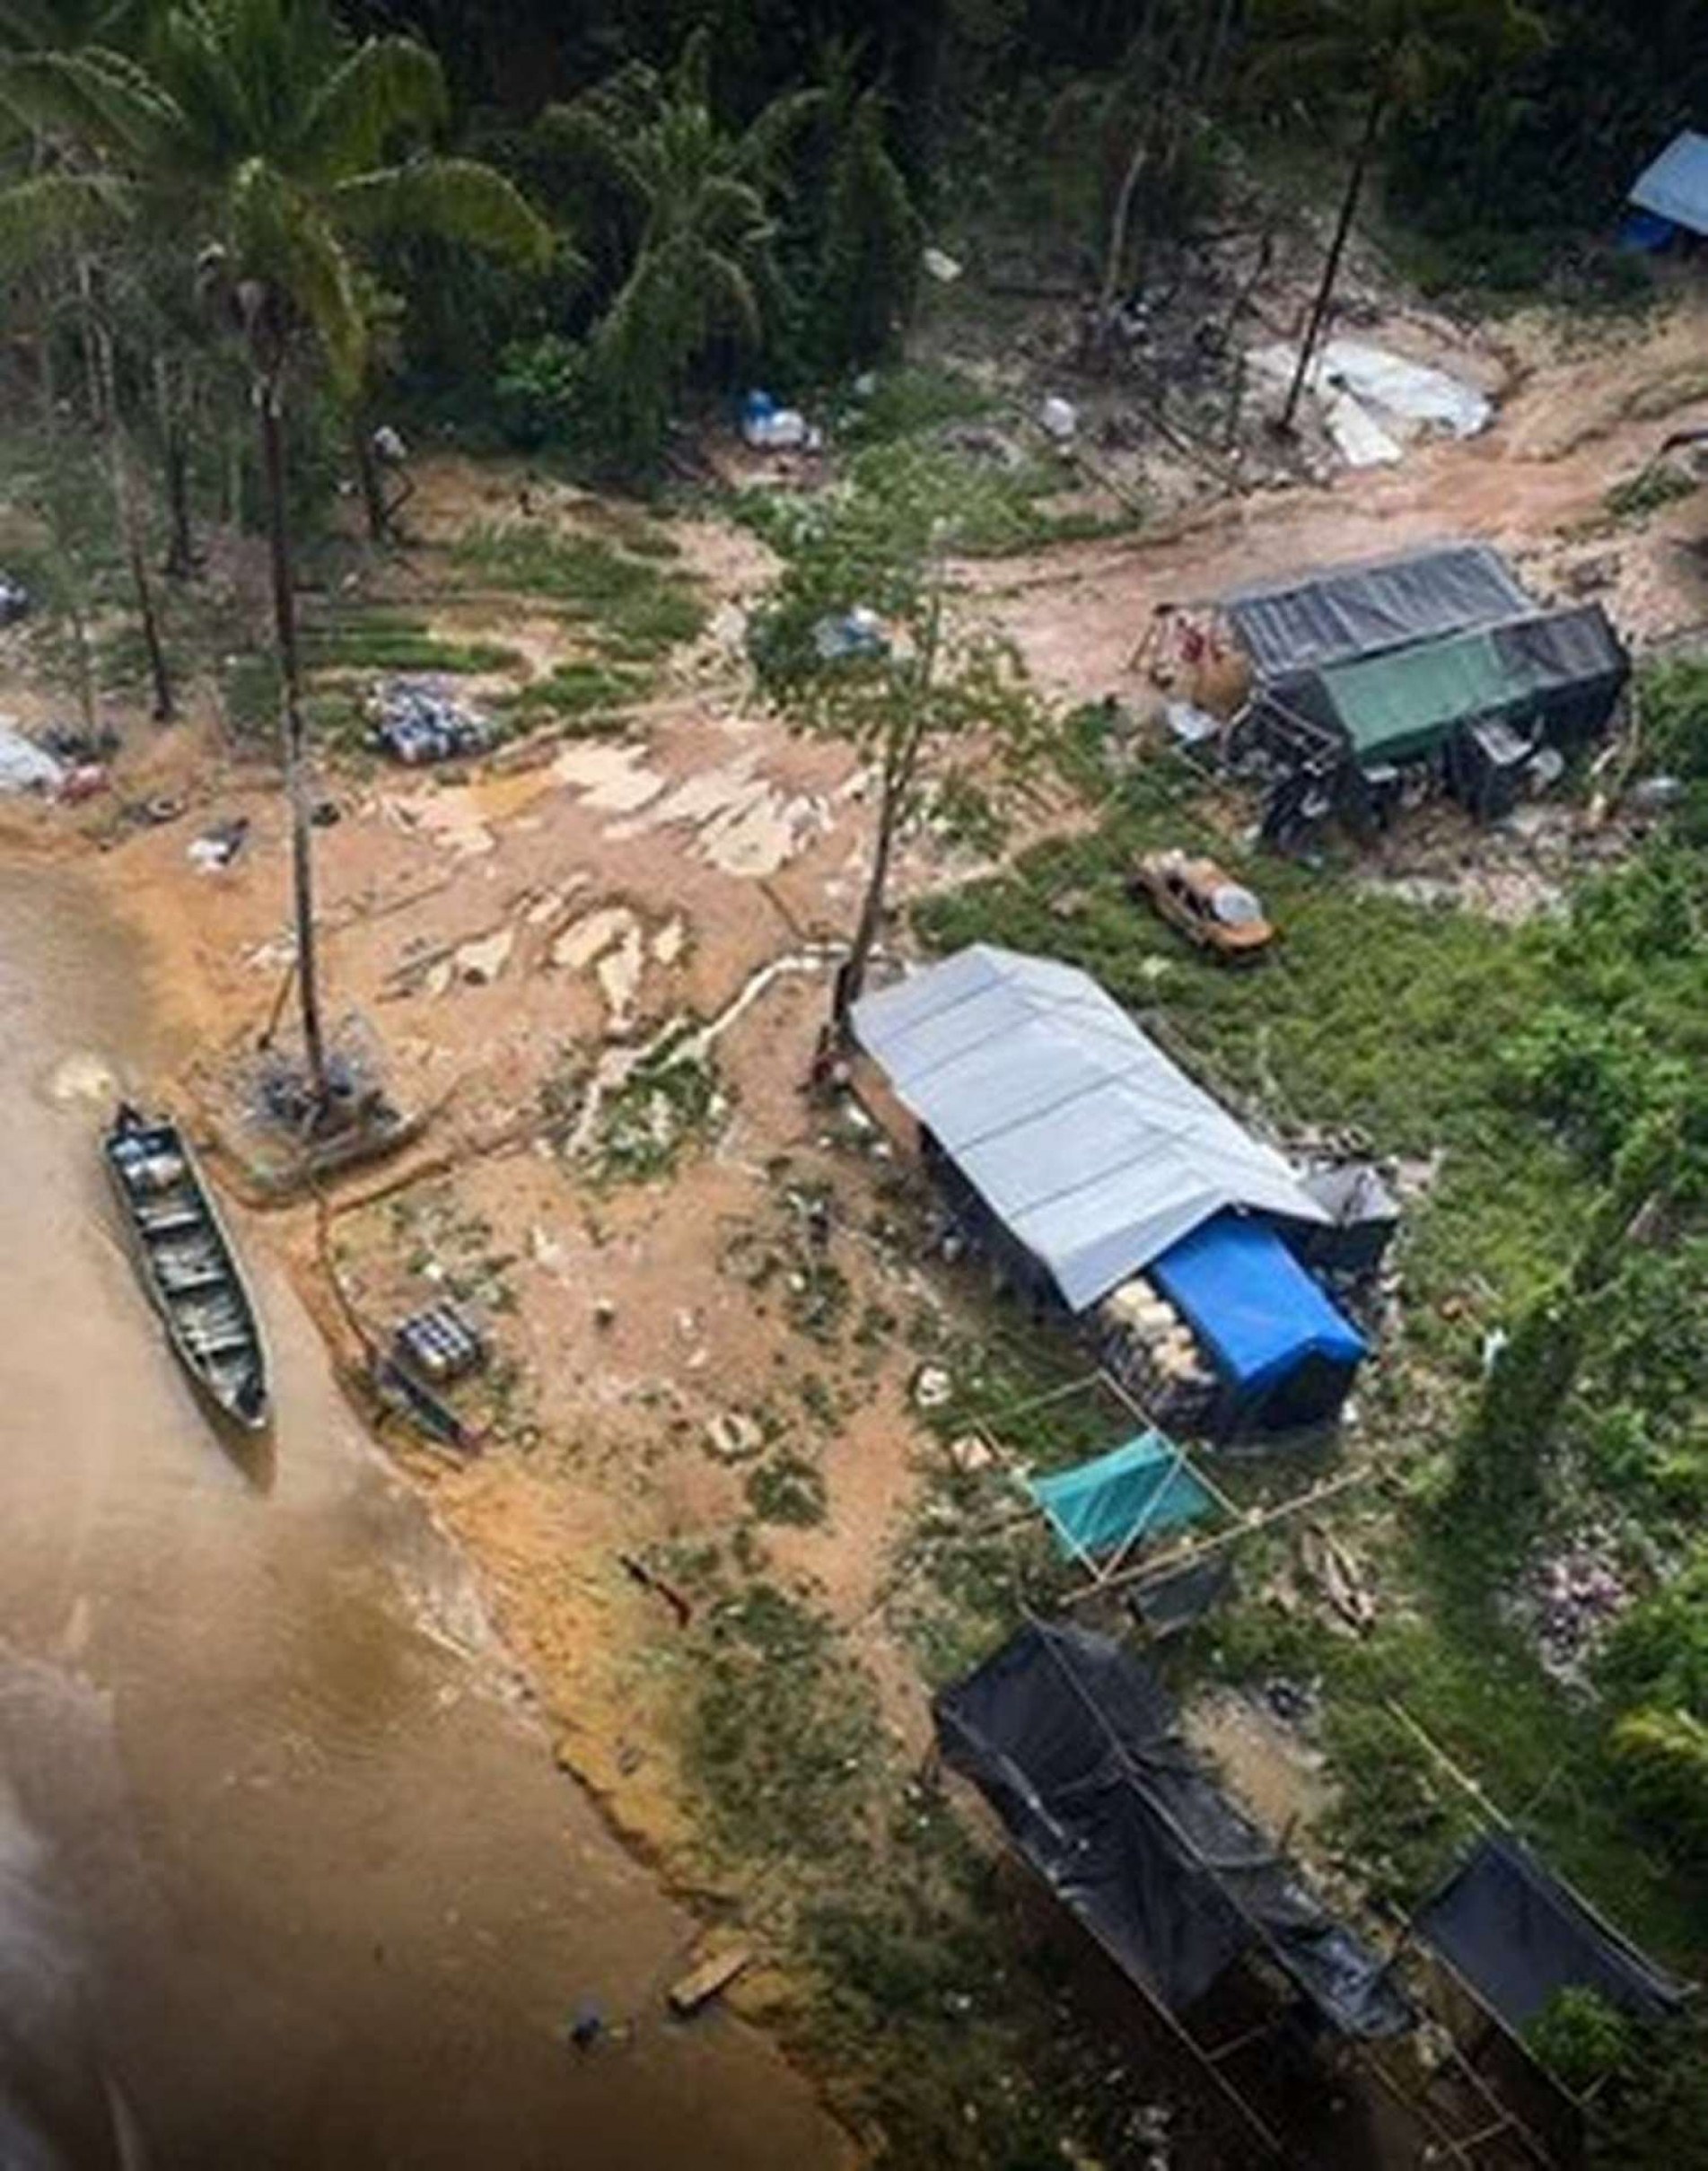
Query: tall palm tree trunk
[268, 405]
[851, 979]
[369, 482]
[1319, 308]
[180, 545]
[130, 525]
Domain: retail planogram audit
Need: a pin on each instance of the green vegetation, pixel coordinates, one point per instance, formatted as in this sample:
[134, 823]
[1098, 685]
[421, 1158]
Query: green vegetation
[388, 641]
[1648, 491]
[667, 1100]
[635, 606]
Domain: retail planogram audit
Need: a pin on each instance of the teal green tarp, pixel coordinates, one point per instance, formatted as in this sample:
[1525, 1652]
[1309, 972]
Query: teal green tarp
[1141, 1490]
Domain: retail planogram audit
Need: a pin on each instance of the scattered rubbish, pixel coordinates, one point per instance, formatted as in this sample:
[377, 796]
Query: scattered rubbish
[24, 766]
[1358, 438]
[637, 1572]
[85, 780]
[857, 633]
[389, 445]
[708, 1980]
[1188, 725]
[733, 1437]
[14, 599]
[479, 963]
[418, 720]
[1577, 1595]
[865, 384]
[1060, 418]
[588, 2025]
[441, 1342]
[939, 265]
[326, 813]
[1331, 1567]
[1653, 793]
[155, 812]
[1545, 768]
[217, 847]
[932, 1386]
[604, 1312]
[769, 428]
[969, 1454]
[79, 742]
[1364, 389]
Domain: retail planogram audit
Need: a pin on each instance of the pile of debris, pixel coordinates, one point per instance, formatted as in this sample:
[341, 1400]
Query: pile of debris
[418, 720]
[27, 765]
[1573, 1598]
[14, 599]
[1154, 1352]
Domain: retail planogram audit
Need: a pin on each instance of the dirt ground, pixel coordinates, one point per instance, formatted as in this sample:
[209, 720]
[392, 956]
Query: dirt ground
[516, 937]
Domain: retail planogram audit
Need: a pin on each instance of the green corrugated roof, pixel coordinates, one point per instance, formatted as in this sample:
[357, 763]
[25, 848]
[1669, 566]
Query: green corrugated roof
[1401, 704]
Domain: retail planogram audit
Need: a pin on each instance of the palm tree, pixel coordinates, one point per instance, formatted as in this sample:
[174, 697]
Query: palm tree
[57, 211]
[1403, 53]
[261, 135]
[696, 262]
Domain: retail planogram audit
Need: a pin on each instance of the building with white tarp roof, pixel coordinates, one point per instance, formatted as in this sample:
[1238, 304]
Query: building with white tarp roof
[1091, 1148]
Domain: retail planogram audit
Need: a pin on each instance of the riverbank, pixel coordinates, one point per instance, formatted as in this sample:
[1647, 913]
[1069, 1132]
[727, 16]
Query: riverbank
[299, 1880]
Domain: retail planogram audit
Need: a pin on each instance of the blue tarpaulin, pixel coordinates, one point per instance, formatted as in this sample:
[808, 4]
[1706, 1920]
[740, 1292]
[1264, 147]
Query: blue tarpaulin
[1675, 186]
[1136, 1491]
[1261, 1315]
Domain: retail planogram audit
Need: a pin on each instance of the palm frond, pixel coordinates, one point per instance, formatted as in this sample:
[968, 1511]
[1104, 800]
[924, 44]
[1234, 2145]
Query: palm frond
[458, 199]
[49, 211]
[601, 141]
[386, 85]
[280, 241]
[103, 98]
[765, 148]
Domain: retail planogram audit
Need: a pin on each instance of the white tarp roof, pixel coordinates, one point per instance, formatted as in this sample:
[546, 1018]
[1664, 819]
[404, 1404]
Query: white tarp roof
[1092, 1148]
[1675, 186]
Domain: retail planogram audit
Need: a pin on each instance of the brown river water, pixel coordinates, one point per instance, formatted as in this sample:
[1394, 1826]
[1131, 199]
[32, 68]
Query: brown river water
[287, 1877]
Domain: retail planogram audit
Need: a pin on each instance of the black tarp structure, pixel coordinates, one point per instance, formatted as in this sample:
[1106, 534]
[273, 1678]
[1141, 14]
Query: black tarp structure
[1551, 676]
[1516, 1936]
[1295, 624]
[1074, 1742]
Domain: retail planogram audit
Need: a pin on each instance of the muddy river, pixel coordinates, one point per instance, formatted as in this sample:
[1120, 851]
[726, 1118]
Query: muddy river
[287, 1875]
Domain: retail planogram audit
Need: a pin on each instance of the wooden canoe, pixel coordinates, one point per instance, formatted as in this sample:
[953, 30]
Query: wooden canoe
[186, 1263]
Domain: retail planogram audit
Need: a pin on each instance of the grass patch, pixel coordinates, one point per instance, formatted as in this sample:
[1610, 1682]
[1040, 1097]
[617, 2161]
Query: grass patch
[1646, 490]
[782, 1735]
[788, 1488]
[581, 692]
[909, 401]
[384, 641]
[637, 607]
[667, 1101]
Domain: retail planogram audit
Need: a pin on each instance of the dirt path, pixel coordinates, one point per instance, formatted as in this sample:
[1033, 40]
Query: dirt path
[1569, 434]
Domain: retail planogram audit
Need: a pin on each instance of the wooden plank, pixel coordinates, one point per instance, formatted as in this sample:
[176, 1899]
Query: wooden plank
[710, 1979]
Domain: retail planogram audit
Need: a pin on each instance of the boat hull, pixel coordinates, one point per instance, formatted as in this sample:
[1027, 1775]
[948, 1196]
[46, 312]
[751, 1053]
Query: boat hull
[189, 1268]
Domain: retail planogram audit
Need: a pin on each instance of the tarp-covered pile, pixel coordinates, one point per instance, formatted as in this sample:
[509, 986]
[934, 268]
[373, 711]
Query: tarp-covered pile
[1518, 1937]
[1088, 1146]
[1284, 1351]
[1074, 1742]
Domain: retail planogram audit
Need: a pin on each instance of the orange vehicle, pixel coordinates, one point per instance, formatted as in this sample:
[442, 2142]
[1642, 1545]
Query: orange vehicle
[1206, 903]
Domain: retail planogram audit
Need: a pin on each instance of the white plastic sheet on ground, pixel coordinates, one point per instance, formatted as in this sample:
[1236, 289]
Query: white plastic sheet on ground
[1373, 399]
[24, 766]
